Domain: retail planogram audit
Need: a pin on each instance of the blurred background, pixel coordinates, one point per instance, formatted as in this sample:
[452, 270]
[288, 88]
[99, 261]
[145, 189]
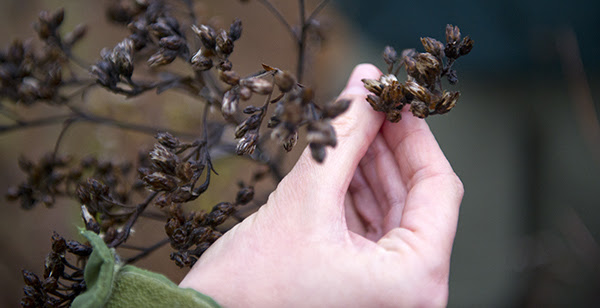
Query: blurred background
[524, 137]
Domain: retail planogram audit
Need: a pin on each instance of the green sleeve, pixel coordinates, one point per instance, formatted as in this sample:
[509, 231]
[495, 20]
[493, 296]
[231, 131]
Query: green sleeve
[110, 284]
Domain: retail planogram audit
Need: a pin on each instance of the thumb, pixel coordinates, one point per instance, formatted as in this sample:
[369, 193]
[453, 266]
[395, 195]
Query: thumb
[321, 188]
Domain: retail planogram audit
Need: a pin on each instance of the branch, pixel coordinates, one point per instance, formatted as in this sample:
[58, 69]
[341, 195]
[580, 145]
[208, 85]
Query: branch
[146, 251]
[317, 10]
[280, 17]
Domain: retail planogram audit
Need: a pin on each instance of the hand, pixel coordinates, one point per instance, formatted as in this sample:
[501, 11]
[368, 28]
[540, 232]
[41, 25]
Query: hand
[372, 226]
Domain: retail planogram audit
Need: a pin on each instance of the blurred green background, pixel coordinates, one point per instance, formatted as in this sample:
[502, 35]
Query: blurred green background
[524, 137]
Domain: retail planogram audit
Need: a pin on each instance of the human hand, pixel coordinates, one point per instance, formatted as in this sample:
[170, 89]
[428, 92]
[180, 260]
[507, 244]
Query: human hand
[372, 226]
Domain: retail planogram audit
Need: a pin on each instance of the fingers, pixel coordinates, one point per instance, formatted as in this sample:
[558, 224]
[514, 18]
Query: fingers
[434, 192]
[321, 188]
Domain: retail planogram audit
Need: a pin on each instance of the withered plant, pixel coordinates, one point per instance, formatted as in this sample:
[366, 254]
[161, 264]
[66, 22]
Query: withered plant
[178, 170]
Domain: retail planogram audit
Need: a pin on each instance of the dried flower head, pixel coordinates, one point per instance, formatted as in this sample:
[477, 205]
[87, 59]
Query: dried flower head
[423, 89]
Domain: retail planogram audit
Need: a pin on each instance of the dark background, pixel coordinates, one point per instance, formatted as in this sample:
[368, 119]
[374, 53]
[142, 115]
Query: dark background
[524, 137]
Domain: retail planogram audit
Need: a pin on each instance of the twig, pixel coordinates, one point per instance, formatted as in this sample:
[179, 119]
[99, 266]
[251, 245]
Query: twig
[317, 10]
[66, 124]
[147, 251]
[301, 42]
[124, 234]
[280, 17]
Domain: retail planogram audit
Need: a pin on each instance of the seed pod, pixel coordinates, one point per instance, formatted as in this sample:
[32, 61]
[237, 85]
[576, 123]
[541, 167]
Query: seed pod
[159, 181]
[162, 57]
[284, 80]
[172, 42]
[207, 35]
[200, 62]
[448, 101]
[76, 35]
[257, 85]
[465, 46]
[229, 77]
[433, 46]
[336, 108]
[390, 56]
[452, 34]
[251, 123]
[245, 93]
[230, 103]
[224, 43]
[418, 91]
[321, 132]
[419, 109]
[374, 86]
[290, 142]
[318, 152]
[122, 57]
[247, 144]
[167, 140]
[235, 30]
[163, 159]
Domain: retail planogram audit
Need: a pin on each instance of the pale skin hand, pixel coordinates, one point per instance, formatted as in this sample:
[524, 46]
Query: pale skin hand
[372, 226]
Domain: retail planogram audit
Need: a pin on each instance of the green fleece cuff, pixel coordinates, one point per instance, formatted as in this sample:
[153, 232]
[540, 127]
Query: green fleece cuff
[110, 284]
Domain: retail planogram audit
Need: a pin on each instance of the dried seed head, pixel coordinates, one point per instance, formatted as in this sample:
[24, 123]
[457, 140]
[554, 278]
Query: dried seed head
[159, 181]
[336, 108]
[162, 57]
[390, 56]
[167, 140]
[418, 91]
[172, 42]
[200, 62]
[290, 142]
[122, 57]
[321, 132]
[433, 46]
[164, 159]
[244, 195]
[224, 43]
[449, 100]
[245, 93]
[230, 103]
[247, 144]
[374, 86]
[388, 80]
[229, 77]
[419, 109]
[225, 65]
[207, 35]
[251, 123]
[76, 35]
[284, 80]
[235, 30]
[452, 34]
[465, 46]
[258, 85]
[318, 152]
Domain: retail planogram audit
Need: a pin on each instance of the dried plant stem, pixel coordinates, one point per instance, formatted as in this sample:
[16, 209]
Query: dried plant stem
[86, 117]
[146, 251]
[66, 124]
[124, 234]
[301, 42]
[279, 17]
[317, 10]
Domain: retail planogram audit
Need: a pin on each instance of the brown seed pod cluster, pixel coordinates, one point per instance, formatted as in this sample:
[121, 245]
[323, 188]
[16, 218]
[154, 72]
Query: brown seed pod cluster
[423, 90]
[62, 281]
[28, 75]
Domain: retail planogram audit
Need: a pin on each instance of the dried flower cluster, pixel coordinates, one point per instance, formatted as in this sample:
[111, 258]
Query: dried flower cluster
[175, 173]
[28, 75]
[62, 281]
[423, 90]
